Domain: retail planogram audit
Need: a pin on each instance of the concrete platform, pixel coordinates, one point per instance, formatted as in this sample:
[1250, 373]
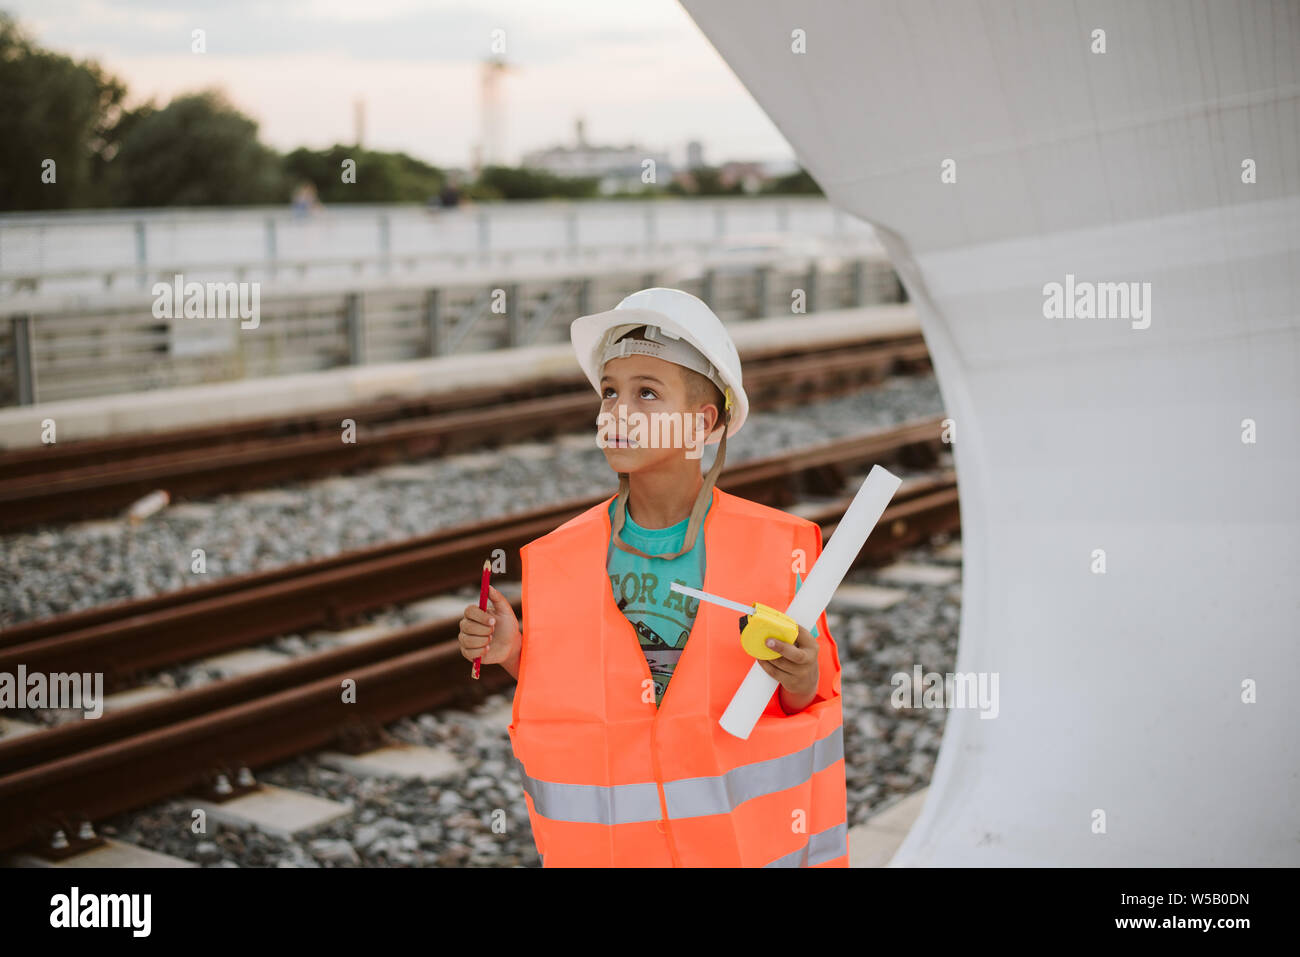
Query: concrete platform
[873, 844]
[191, 406]
[405, 761]
[112, 854]
[274, 810]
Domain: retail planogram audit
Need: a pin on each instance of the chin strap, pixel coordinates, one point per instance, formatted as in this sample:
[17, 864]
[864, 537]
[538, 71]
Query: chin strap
[702, 501]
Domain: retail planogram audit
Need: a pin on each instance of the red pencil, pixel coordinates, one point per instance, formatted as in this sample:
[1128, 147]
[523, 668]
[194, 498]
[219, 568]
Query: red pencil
[483, 603]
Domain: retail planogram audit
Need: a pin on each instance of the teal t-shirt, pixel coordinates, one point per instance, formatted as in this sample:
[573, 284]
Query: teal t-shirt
[662, 617]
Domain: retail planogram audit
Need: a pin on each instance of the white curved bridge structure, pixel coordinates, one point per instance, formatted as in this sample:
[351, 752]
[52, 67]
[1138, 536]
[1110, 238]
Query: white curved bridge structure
[1149, 714]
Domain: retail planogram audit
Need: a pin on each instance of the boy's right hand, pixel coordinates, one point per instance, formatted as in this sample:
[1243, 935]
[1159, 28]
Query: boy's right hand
[492, 633]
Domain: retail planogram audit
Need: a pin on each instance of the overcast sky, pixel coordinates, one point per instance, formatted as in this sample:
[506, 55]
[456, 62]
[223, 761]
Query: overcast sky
[637, 70]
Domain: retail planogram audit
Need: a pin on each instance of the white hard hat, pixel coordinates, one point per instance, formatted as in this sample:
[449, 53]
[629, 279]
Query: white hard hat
[677, 315]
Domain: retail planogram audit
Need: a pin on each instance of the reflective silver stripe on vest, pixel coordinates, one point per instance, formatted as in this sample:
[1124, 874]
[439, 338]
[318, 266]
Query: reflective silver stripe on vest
[821, 847]
[686, 797]
[592, 804]
[723, 793]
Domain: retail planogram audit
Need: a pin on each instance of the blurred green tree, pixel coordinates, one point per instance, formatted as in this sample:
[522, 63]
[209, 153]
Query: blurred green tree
[797, 182]
[708, 182]
[380, 177]
[518, 182]
[198, 150]
[53, 108]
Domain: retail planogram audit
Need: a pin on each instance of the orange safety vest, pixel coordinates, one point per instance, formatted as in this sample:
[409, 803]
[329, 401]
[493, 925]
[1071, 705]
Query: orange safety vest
[612, 781]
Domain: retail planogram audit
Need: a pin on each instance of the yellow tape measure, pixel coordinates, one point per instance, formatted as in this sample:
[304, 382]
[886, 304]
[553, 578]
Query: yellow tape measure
[766, 622]
[758, 623]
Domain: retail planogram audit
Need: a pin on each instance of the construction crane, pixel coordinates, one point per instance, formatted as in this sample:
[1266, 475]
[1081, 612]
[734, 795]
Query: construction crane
[488, 151]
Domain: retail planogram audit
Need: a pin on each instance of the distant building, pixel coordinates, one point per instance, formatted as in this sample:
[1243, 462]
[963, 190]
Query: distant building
[616, 167]
[694, 154]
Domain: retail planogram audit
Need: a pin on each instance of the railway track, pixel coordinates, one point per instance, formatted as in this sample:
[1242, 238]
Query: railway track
[210, 738]
[99, 477]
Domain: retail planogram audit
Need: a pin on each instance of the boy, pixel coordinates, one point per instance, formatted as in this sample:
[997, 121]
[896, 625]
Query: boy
[621, 680]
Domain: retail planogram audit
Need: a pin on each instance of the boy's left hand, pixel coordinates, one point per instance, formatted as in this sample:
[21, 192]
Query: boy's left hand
[796, 669]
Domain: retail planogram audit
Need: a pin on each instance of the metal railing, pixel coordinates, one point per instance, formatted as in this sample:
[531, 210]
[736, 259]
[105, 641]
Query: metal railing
[111, 249]
[61, 347]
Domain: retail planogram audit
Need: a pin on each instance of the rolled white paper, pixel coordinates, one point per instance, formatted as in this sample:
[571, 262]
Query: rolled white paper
[751, 699]
[748, 703]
